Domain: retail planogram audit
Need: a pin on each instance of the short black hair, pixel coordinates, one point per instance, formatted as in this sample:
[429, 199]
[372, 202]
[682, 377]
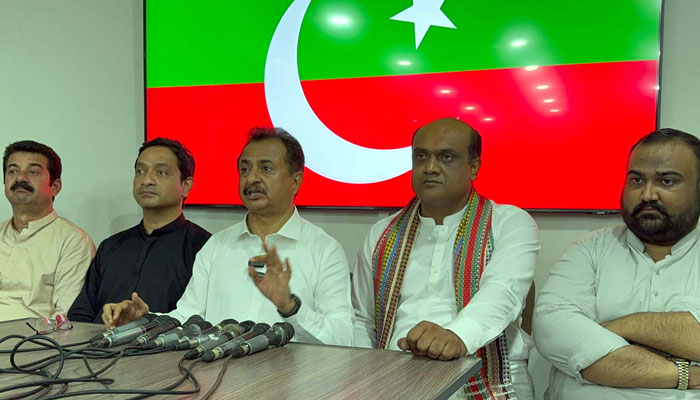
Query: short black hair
[30, 146]
[295, 154]
[667, 135]
[185, 159]
[474, 148]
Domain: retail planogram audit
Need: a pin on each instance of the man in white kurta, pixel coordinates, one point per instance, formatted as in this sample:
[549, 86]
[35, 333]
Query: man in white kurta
[428, 289]
[220, 289]
[622, 300]
[307, 279]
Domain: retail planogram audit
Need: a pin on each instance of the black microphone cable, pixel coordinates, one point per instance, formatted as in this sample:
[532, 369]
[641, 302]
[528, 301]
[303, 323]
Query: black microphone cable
[185, 371]
[219, 378]
[51, 379]
[39, 368]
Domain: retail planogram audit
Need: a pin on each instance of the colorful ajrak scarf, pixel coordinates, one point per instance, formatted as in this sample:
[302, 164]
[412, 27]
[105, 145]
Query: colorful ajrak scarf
[472, 248]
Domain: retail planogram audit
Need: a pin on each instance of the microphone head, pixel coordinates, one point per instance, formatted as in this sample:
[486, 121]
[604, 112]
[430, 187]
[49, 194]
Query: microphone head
[247, 325]
[150, 316]
[259, 328]
[282, 333]
[163, 318]
[194, 320]
[227, 321]
[202, 325]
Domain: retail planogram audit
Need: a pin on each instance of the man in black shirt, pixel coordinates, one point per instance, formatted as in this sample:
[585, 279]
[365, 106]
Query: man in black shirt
[155, 257]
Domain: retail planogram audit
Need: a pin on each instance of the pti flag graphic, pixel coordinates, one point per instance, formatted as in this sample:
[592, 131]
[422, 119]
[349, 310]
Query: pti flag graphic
[559, 91]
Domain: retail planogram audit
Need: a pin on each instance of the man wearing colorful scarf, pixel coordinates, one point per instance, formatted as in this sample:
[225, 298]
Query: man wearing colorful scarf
[448, 275]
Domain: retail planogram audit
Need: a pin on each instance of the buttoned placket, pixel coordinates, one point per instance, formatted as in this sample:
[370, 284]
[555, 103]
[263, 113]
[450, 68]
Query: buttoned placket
[656, 292]
[18, 240]
[140, 260]
[16, 247]
[439, 238]
[255, 298]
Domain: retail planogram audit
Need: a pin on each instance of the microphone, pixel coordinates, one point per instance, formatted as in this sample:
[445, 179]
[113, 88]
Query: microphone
[139, 322]
[277, 336]
[226, 348]
[167, 324]
[128, 335]
[219, 327]
[192, 326]
[190, 341]
[207, 343]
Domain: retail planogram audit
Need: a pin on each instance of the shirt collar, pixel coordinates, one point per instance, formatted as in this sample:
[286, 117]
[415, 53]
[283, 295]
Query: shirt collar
[41, 222]
[686, 241]
[178, 223]
[453, 219]
[291, 229]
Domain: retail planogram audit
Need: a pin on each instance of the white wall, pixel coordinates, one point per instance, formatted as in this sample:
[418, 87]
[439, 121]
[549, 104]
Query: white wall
[680, 79]
[71, 76]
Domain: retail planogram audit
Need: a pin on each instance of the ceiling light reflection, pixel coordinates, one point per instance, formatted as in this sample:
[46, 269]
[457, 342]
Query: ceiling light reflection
[340, 20]
[488, 119]
[445, 91]
[518, 43]
[469, 108]
[548, 100]
[542, 87]
[404, 63]
[531, 67]
[554, 110]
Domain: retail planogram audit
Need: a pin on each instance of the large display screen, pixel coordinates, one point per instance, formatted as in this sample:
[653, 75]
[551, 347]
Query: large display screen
[559, 91]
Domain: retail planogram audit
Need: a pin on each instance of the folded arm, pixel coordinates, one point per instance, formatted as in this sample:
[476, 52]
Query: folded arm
[635, 367]
[566, 332]
[676, 333]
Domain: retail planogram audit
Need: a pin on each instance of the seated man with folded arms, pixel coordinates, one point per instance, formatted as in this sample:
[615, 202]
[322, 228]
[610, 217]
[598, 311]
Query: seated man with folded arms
[155, 257]
[618, 316]
[448, 275]
[307, 280]
[43, 257]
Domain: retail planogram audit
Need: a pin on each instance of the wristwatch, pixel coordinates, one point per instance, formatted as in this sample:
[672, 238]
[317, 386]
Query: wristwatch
[295, 309]
[683, 373]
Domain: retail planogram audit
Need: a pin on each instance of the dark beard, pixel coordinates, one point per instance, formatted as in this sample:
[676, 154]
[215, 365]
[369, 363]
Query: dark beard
[664, 229]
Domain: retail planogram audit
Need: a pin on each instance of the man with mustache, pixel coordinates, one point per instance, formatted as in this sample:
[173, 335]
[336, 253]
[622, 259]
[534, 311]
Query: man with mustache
[448, 275]
[618, 316]
[155, 257]
[307, 279]
[43, 257]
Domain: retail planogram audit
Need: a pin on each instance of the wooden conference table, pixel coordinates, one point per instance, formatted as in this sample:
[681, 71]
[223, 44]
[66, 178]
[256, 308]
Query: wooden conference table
[295, 371]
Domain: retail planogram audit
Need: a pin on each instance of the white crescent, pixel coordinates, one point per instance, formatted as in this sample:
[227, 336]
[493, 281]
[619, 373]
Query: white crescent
[326, 153]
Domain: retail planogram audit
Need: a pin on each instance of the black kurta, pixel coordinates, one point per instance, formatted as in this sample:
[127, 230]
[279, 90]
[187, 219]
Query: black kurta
[156, 266]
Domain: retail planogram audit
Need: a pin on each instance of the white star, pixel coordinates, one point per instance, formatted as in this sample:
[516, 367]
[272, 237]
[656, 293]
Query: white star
[424, 14]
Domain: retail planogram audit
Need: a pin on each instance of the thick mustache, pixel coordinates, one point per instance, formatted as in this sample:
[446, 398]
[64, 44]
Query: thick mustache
[22, 184]
[254, 188]
[650, 204]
